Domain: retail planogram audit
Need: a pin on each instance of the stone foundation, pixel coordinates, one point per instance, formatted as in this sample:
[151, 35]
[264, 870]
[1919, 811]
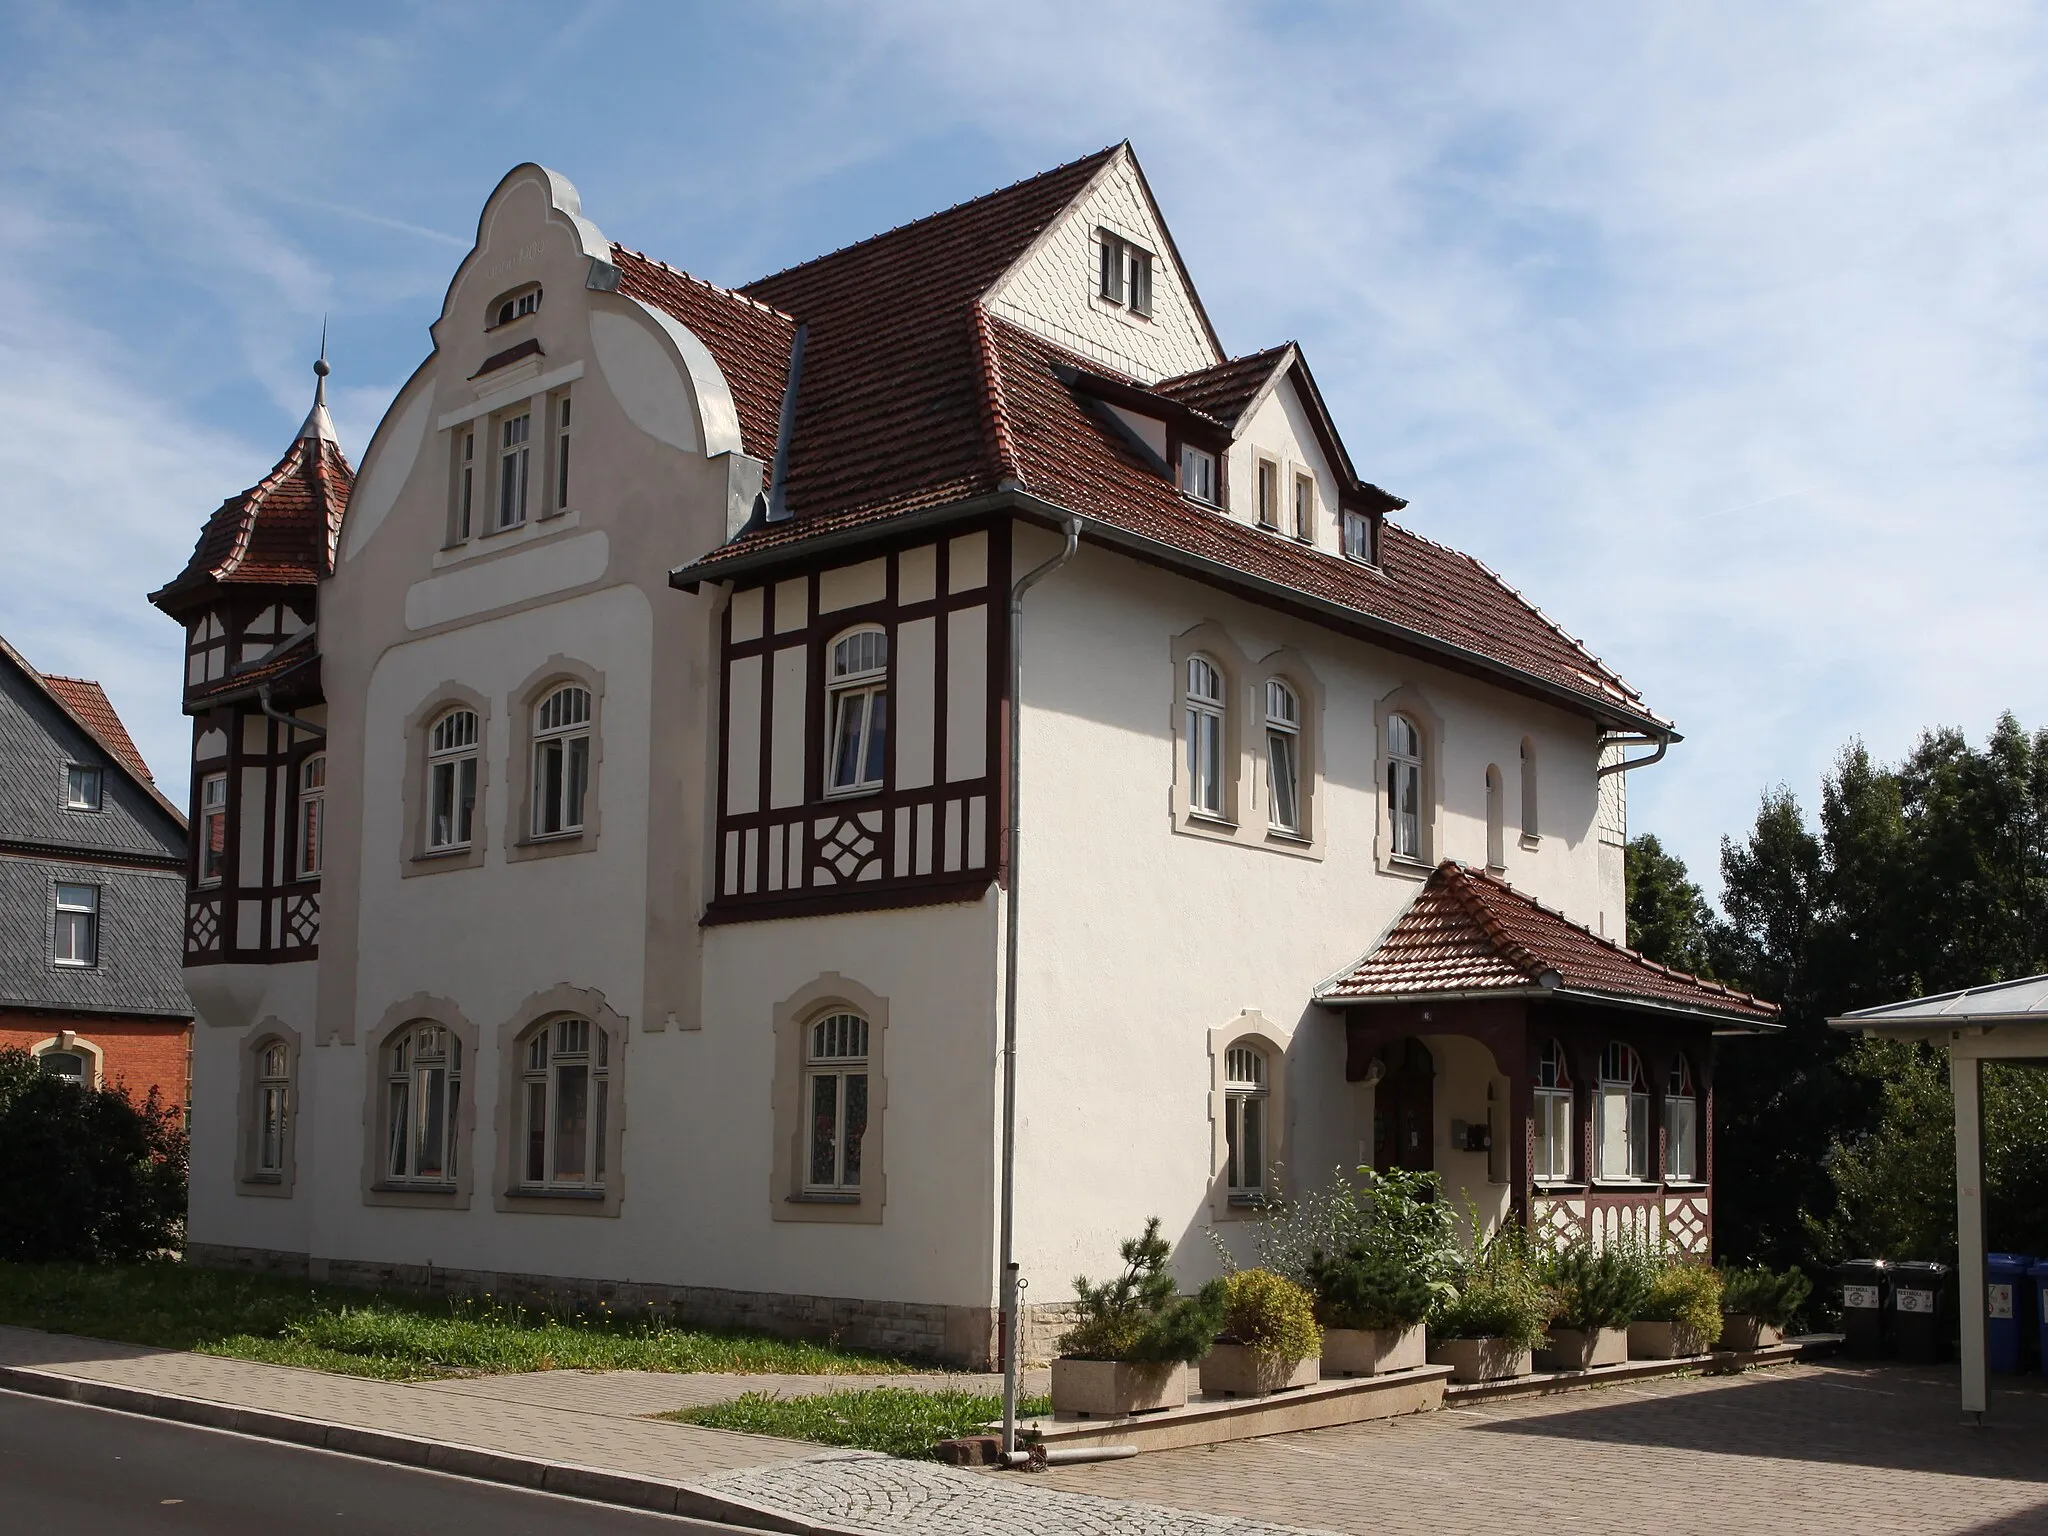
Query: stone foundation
[962, 1336]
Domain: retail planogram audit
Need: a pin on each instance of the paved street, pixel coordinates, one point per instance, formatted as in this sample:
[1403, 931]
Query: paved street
[72, 1471]
[1796, 1449]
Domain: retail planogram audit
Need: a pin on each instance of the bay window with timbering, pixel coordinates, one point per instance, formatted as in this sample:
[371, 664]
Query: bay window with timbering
[1553, 1115]
[857, 690]
[1621, 1118]
[1681, 1125]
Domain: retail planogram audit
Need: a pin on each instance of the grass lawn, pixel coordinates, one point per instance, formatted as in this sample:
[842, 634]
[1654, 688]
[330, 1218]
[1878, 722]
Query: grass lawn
[898, 1420]
[377, 1333]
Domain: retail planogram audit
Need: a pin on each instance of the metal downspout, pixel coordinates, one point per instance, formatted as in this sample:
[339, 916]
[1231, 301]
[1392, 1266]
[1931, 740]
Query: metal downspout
[319, 732]
[1009, 1197]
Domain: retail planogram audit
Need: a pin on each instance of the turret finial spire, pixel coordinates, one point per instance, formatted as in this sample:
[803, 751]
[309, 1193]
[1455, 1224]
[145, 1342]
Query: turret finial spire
[318, 423]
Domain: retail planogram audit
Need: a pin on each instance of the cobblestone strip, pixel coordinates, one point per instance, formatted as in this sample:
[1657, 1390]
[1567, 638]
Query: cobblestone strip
[864, 1491]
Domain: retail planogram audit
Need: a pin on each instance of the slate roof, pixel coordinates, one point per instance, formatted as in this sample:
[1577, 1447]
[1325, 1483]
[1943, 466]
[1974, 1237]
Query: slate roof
[1468, 933]
[46, 722]
[279, 532]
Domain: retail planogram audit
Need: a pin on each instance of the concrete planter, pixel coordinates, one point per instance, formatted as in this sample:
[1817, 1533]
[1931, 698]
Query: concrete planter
[1112, 1389]
[1584, 1349]
[1373, 1351]
[1481, 1359]
[1744, 1330]
[1663, 1341]
[1236, 1370]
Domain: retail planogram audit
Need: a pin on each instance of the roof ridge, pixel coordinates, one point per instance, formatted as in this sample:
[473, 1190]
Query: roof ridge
[704, 282]
[1459, 881]
[1229, 362]
[1002, 445]
[897, 229]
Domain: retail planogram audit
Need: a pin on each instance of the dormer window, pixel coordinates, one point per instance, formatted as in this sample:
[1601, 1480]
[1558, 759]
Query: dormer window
[1358, 537]
[1124, 274]
[1198, 473]
[515, 306]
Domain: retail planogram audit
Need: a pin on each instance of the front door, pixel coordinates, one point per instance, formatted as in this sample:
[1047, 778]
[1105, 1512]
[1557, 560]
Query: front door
[1404, 1109]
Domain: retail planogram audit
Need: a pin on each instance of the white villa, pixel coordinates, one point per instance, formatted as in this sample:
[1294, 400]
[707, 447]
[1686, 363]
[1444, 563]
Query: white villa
[600, 801]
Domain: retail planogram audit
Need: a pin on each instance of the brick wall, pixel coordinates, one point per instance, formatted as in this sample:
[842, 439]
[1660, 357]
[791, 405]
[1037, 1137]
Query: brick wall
[136, 1053]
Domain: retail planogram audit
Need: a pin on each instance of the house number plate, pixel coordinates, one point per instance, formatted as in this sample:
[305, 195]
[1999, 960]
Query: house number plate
[2000, 1300]
[1915, 1301]
[1859, 1296]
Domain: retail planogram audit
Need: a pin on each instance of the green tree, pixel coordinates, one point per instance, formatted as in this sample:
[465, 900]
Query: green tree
[1668, 917]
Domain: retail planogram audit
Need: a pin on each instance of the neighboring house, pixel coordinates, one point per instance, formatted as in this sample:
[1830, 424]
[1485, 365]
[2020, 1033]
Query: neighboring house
[604, 891]
[92, 892]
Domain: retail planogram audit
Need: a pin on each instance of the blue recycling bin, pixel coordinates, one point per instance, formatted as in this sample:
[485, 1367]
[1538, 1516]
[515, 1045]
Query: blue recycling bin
[2006, 1297]
[2039, 1311]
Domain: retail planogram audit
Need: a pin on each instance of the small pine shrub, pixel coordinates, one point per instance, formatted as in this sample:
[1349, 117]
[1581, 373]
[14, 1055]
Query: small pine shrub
[1361, 1288]
[1502, 1295]
[1592, 1286]
[1137, 1317]
[1759, 1293]
[1272, 1315]
[1687, 1294]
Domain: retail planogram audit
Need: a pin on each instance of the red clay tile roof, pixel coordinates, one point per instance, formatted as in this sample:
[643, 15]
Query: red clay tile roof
[749, 340]
[301, 664]
[1467, 932]
[279, 532]
[1226, 389]
[89, 704]
[891, 408]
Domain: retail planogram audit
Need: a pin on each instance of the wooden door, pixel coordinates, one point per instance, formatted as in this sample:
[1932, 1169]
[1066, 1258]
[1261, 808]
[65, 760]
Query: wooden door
[1404, 1109]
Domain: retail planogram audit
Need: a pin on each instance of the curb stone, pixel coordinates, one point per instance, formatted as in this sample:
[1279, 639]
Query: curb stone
[596, 1484]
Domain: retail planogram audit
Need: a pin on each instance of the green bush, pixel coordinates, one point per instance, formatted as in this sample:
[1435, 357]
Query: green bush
[1502, 1295]
[1361, 1288]
[1688, 1294]
[1271, 1315]
[1591, 1286]
[1391, 1260]
[1759, 1293]
[86, 1174]
[1137, 1317]
[1396, 1212]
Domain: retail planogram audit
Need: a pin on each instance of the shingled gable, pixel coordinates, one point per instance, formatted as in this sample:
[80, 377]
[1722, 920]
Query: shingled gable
[86, 705]
[1467, 935]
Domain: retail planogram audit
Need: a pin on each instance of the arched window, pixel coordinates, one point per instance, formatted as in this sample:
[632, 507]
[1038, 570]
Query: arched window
[312, 807]
[65, 1066]
[857, 687]
[1553, 1115]
[1531, 823]
[836, 1096]
[1621, 1126]
[1244, 1123]
[1496, 819]
[273, 1106]
[515, 306]
[561, 760]
[1404, 786]
[1205, 736]
[422, 1101]
[451, 780]
[1283, 757]
[565, 1103]
[1681, 1125]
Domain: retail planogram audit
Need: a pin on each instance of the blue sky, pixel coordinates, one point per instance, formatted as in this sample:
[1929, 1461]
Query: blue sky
[1718, 330]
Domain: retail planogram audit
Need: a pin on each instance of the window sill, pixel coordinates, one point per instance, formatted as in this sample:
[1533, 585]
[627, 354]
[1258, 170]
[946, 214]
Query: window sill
[824, 1197]
[551, 839]
[434, 855]
[853, 792]
[267, 1180]
[517, 1193]
[490, 541]
[1559, 1187]
[1208, 819]
[1246, 1200]
[1687, 1184]
[1628, 1186]
[1287, 835]
[75, 965]
[382, 1188]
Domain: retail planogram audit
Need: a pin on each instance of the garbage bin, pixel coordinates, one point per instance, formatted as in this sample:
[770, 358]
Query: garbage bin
[1864, 1283]
[2038, 1311]
[2005, 1309]
[1920, 1311]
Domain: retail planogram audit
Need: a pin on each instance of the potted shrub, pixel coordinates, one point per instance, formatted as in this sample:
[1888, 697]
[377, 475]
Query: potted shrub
[1596, 1292]
[1371, 1305]
[1489, 1331]
[1129, 1351]
[1681, 1312]
[1270, 1341]
[1756, 1306]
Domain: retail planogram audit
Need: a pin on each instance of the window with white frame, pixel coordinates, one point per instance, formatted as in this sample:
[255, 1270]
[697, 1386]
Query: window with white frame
[82, 787]
[422, 1105]
[562, 454]
[516, 306]
[1123, 273]
[561, 760]
[836, 1100]
[515, 453]
[1198, 473]
[273, 1106]
[1681, 1125]
[1404, 786]
[1358, 537]
[1496, 819]
[1531, 822]
[1283, 757]
[1621, 1126]
[78, 925]
[565, 1105]
[465, 484]
[312, 811]
[1205, 734]
[451, 780]
[857, 691]
[65, 1066]
[1245, 1096]
[1553, 1106]
[1304, 507]
[1269, 494]
[213, 828]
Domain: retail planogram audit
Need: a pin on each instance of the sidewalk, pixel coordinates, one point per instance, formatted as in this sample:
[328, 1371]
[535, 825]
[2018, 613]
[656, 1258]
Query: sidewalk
[585, 1435]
